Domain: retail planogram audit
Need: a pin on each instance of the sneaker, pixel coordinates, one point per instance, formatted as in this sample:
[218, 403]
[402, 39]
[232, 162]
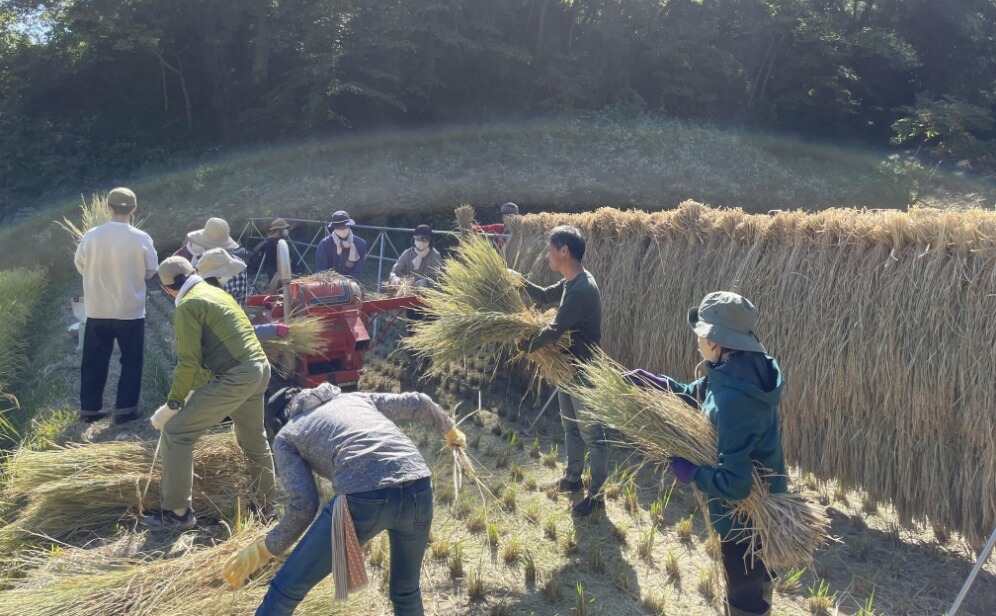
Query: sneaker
[165, 519]
[563, 484]
[122, 418]
[588, 506]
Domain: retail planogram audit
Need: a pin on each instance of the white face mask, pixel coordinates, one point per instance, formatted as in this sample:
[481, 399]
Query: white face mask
[223, 280]
[342, 233]
[421, 244]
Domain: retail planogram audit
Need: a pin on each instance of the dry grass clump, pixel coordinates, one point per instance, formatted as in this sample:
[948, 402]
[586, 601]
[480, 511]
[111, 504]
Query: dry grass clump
[786, 529]
[304, 338]
[59, 492]
[478, 303]
[187, 584]
[881, 318]
[94, 214]
[465, 218]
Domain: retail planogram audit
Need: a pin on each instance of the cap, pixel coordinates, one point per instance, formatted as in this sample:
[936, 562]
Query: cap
[122, 197]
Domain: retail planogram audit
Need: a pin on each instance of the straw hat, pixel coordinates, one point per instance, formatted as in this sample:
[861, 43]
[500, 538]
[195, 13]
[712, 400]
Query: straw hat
[217, 263]
[215, 234]
[278, 224]
[171, 267]
[727, 319]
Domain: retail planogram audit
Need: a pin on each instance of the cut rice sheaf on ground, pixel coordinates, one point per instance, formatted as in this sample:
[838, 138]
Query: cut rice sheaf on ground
[57, 493]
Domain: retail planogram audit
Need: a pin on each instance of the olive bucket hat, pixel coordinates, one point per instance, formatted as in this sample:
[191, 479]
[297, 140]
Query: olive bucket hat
[727, 319]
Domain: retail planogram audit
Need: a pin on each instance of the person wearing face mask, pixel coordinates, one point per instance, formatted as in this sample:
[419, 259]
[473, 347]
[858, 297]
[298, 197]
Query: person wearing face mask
[341, 251]
[265, 252]
[421, 262]
[212, 333]
[739, 393]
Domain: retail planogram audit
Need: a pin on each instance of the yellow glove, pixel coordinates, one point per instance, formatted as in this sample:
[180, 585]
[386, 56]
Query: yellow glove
[456, 438]
[249, 560]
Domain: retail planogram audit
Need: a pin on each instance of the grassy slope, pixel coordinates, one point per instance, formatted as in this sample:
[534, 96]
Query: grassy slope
[567, 165]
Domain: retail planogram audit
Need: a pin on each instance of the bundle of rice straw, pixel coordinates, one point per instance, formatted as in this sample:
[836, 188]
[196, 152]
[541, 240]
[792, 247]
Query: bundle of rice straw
[190, 583]
[477, 303]
[304, 338]
[59, 492]
[465, 218]
[785, 528]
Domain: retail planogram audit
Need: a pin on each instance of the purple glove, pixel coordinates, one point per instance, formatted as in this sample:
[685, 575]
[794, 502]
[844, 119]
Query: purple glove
[641, 378]
[682, 469]
[269, 331]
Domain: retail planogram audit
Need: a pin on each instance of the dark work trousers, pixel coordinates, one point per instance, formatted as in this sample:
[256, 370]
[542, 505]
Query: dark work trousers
[744, 583]
[98, 344]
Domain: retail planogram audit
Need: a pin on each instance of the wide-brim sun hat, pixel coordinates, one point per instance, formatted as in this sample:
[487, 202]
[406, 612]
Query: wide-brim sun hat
[172, 267]
[215, 234]
[727, 319]
[217, 263]
[278, 224]
[340, 218]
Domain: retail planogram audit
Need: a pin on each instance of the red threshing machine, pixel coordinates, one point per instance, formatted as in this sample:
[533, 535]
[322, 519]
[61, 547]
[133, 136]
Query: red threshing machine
[341, 304]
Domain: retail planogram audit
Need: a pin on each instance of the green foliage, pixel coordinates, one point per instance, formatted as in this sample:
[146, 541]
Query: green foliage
[947, 126]
[94, 89]
[20, 291]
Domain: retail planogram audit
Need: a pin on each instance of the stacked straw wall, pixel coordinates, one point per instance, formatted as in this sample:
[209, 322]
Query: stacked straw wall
[884, 323]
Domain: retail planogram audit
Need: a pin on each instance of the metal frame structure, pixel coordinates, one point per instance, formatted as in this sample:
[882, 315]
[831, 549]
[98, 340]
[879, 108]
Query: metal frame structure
[301, 250]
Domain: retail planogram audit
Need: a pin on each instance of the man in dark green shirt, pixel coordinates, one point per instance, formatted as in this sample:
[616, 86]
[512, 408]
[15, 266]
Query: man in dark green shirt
[580, 315]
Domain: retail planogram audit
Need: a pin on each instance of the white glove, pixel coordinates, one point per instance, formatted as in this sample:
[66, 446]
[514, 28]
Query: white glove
[514, 273]
[162, 416]
[394, 281]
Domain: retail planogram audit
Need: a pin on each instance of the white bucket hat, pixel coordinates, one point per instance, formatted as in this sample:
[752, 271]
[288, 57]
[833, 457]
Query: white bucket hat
[215, 234]
[217, 263]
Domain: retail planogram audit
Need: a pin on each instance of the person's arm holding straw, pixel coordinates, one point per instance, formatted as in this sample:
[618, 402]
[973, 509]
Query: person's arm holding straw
[731, 479]
[418, 407]
[690, 393]
[298, 483]
[543, 295]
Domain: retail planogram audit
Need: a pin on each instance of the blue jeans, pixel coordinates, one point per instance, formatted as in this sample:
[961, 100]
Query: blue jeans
[404, 511]
[578, 434]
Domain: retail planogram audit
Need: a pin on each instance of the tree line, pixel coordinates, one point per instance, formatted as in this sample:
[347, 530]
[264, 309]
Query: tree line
[92, 89]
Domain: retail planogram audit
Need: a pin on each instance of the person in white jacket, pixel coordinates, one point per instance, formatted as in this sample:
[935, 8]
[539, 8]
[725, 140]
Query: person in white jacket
[115, 259]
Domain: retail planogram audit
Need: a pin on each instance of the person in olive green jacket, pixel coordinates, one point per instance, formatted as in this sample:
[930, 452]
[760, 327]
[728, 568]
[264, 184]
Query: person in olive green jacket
[213, 334]
[740, 395]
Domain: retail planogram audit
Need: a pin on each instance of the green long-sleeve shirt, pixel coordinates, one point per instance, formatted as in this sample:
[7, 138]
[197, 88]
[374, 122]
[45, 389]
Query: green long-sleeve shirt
[579, 313]
[212, 333]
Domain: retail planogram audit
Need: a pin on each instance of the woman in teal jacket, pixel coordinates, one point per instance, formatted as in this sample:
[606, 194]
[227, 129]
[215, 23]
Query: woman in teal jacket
[740, 395]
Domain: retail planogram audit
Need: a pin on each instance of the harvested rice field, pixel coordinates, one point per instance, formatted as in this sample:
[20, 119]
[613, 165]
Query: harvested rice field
[515, 550]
